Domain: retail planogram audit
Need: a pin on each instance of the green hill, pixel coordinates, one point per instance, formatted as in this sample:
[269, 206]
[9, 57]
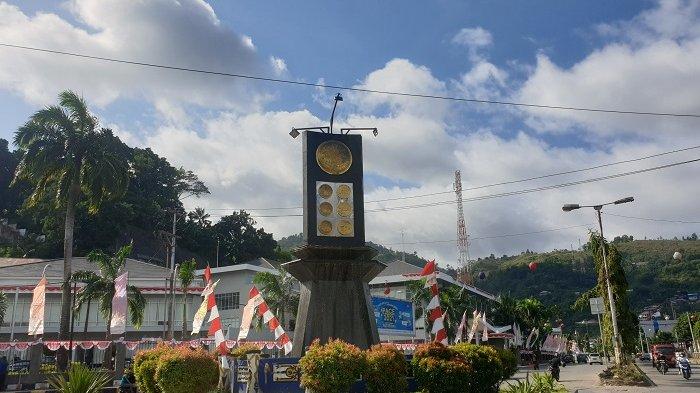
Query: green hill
[562, 275]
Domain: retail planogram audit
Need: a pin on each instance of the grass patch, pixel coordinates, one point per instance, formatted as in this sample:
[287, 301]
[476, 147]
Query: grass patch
[626, 374]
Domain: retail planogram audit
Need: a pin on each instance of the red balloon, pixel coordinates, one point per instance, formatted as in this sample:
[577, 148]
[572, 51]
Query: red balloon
[532, 266]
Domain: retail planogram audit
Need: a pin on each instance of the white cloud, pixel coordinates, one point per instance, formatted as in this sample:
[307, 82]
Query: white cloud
[278, 65]
[651, 66]
[184, 33]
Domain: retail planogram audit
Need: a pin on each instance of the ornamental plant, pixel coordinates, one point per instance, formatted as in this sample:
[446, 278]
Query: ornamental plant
[80, 379]
[145, 365]
[332, 367]
[509, 361]
[439, 369]
[485, 364]
[184, 370]
[386, 370]
[242, 350]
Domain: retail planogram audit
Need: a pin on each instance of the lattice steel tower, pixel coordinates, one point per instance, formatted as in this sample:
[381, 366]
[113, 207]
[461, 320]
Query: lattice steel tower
[463, 243]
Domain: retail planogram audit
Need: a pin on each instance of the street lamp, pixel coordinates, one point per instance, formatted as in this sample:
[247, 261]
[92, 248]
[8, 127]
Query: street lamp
[613, 312]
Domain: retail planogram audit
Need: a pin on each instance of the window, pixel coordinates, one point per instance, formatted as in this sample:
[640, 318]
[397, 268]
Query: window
[227, 301]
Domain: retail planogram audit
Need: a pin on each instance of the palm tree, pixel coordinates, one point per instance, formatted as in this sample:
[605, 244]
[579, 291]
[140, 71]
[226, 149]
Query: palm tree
[3, 306]
[100, 287]
[279, 292]
[186, 276]
[200, 217]
[64, 152]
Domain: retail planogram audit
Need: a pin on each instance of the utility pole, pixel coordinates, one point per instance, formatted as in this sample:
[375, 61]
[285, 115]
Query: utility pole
[611, 297]
[692, 335]
[217, 251]
[463, 243]
[171, 317]
[403, 246]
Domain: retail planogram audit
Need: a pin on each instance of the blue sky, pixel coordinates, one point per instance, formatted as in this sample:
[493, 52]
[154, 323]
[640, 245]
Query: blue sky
[630, 55]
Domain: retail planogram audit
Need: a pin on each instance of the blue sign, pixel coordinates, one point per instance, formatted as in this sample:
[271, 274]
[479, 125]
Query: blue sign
[393, 316]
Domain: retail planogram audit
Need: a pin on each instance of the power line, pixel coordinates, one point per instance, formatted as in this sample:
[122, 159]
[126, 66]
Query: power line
[537, 189]
[519, 192]
[490, 237]
[492, 184]
[357, 89]
[654, 219]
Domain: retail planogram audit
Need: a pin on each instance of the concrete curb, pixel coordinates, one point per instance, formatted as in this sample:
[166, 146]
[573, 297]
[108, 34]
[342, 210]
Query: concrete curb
[646, 377]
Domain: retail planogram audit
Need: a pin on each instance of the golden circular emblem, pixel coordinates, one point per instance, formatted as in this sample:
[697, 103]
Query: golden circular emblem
[325, 191]
[344, 191]
[345, 227]
[325, 227]
[333, 157]
[344, 209]
[325, 209]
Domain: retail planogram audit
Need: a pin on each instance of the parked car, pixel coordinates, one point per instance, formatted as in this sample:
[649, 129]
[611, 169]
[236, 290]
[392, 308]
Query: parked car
[567, 358]
[594, 358]
[645, 356]
[582, 358]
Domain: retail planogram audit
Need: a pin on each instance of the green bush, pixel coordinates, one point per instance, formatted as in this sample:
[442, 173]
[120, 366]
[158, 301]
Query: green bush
[485, 365]
[541, 383]
[332, 367]
[242, 350]
[509, 362]
[184, 370]
[386, 370]
[439, 369]
[145, 365]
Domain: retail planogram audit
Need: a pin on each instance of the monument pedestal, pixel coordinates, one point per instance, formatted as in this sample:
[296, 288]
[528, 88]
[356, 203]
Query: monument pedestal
[335, 299]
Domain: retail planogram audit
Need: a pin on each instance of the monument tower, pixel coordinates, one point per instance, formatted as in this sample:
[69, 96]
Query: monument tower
[334, 265]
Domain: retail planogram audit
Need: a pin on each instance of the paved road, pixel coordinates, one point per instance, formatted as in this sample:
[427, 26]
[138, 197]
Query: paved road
[583, 378]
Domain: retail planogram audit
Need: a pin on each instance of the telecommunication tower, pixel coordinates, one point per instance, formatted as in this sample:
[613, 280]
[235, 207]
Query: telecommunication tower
[463, 243]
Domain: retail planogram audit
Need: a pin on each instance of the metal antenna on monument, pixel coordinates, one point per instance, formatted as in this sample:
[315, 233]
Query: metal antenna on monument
[329, 129]
[463, 238]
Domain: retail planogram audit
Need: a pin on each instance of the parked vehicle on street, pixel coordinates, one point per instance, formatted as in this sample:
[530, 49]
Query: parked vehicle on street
[594, 358]
[582, 358]
[645, 356]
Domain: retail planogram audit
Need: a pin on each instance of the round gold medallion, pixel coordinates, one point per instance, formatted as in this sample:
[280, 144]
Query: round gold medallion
[344, 191]
[325, 191]
[333, 157]
[344, 209]
[325, 209]
[345, 227]
[325, 227]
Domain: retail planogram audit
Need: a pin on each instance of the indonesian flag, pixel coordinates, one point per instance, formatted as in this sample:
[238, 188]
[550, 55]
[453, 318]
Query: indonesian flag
[475, 325]
[485, 334]
[202, 310]
[119, 305]
[256, 302]
[460, 328]
[534, 335]
[36, 312]
[435, 314]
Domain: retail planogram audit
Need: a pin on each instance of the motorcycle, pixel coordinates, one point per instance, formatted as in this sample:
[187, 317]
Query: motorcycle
[662, 366]
[684, 366]
[554, 371]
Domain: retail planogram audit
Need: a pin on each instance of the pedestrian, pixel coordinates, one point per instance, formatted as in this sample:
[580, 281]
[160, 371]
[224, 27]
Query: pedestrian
[3, 372]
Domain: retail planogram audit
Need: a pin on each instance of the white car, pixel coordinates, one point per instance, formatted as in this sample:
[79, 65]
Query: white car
[594, 358]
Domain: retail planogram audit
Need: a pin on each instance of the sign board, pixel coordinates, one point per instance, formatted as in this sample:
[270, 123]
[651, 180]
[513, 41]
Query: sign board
[285, 372]
[393, 316]
[597, 305]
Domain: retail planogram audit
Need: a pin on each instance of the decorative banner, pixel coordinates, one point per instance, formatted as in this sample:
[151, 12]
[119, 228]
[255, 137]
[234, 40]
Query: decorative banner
[119, 305]
[485, 334]
[256, 301]
[435, 315]
[475, 325]
[248, 311]
[202, 311]
[460, 328]
[393, 316]
[36, 312]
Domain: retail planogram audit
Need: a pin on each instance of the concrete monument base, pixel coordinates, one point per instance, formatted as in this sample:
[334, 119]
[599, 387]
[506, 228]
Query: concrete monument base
[335, 299]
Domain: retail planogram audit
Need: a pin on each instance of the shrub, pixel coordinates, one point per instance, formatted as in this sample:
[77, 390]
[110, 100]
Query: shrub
[242, 350]
[439, 369]
[486, 367]
[184, 370]
[541, 383]
[332, 367]
[145, 365]
[80, 379]
[509, 362]
[386, 370]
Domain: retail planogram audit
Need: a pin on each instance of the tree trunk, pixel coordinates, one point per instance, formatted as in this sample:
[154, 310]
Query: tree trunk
[63, 332]
[184, 313]
[80, 352]
[107, 357]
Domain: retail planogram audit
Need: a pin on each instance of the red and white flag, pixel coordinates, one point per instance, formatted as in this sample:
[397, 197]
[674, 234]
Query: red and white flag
[201, 313]
[36, 312]
[256, 301]
[485, 334]
[461, 327]
[214, 318]
[119, 305]
[435, 314]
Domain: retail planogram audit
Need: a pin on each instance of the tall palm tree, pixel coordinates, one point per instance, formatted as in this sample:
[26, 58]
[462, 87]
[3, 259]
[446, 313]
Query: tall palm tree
[100, 287]
[186, 275]
[65, 152]
[279, 291]
[200, 217]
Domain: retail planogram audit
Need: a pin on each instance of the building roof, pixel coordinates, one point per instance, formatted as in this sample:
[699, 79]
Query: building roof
[33, 267]
[256, 265]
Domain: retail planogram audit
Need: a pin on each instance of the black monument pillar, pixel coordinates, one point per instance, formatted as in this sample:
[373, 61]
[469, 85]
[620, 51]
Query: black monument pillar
[334, 265]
